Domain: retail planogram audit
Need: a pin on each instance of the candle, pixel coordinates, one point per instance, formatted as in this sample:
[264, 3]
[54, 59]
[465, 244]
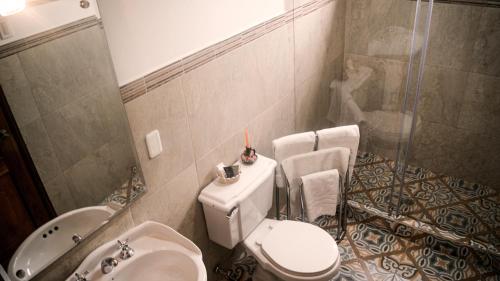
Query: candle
[246, 138]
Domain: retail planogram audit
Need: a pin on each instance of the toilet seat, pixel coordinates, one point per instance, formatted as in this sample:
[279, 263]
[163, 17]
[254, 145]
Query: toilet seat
[300, 248]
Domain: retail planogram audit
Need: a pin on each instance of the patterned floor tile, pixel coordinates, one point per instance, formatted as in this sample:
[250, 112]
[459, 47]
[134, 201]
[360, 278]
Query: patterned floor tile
[364, 158]
[467, 190]
[346, 252]
[360, 197]
[355, 185]
[368, 240]
[375, 175]
[432, 193]
[413, 173]
[393, 267]
[457, 219]
[381, 199]
[351, 271]
[488, 211]
[439, 266]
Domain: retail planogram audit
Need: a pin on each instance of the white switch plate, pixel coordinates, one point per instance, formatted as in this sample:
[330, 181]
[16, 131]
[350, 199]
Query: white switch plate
[153, 142]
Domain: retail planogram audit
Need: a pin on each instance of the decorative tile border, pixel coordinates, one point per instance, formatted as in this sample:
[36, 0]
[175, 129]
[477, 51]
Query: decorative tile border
[161, 76]
[46, 36]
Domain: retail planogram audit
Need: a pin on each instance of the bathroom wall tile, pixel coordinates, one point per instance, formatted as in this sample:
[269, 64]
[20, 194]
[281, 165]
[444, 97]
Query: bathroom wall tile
[239, 85]
[485, 57]
[67, 68]
[442, 95]
[379, 28]
[277, 121]
[318, 40]
[101, 172]
[479, 112]
[78, 129]
[163, 109]
[17, 91]
[41, 150]
[59, 191]
[227, 152]
[455, 51]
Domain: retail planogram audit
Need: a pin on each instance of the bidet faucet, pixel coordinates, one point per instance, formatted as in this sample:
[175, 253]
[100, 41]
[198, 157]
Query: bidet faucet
[108, 264]
[126, 252]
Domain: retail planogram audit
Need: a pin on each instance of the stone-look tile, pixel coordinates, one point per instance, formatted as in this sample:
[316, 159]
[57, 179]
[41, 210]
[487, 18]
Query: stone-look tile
[41, 150]
[163, 109]
[379, 28]
[227, 152]
[368, 240]
[63, 70]
[77, 129]
[60, 193]
[479, 111]
[454, 52]
[439, 266]
[442, 95]
[318, 40]
[17, 91]
[432, 193]
[277, 121]
[238, 86]
[487, 43]
[100, 173]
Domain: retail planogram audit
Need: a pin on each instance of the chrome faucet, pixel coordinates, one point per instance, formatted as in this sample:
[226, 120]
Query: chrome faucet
[126, 252]
[81, 277]
[108, 264]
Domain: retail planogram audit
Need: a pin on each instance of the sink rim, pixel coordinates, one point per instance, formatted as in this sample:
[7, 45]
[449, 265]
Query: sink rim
[142, 236]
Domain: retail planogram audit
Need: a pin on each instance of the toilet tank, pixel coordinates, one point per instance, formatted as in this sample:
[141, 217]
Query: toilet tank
[232, 211]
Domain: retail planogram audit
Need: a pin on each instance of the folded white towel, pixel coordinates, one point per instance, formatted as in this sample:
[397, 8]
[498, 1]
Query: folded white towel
[291, 145]
[321, 191]
[300, 165]
[344, 136]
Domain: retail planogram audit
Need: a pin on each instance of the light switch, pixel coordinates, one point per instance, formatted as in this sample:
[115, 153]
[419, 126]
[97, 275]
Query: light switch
[153, 142]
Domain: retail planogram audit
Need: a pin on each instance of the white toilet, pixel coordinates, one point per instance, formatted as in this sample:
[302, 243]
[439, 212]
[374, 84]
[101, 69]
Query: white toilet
[285, 250]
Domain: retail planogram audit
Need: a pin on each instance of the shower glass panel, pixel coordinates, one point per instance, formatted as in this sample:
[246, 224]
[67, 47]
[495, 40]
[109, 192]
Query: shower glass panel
[451, 160]
[383, 45]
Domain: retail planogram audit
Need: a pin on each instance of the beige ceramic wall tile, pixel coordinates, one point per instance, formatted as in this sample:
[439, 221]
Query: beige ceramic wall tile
[17, 91]
[41, 150]
[225, 94]
[162, 109]
[485, 57]
[451, 39]
[60, 193]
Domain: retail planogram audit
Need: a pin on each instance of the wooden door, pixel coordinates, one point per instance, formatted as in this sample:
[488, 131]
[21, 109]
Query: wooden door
[24, 204]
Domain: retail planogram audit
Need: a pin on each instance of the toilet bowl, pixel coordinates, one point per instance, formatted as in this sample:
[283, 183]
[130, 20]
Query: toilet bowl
[285, 250]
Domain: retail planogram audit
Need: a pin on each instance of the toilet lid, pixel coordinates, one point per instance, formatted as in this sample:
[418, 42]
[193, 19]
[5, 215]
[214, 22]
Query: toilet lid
[300, 248]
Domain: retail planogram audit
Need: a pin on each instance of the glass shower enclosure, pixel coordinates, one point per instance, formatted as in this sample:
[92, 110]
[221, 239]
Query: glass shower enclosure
[421, 80]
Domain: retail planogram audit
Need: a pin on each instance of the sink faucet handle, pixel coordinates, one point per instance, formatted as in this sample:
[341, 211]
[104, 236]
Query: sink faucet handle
[82, 277]
[108, 264]
[126, 251]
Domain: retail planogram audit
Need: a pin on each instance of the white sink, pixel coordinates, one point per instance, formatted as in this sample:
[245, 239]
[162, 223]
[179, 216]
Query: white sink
[53, 239]
[161, 254]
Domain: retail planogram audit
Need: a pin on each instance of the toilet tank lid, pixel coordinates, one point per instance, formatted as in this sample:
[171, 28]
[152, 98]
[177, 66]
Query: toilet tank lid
[226, 196]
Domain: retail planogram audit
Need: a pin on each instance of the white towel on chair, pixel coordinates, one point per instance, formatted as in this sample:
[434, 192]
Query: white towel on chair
[321, 192]
[291, 145]
[344, 136]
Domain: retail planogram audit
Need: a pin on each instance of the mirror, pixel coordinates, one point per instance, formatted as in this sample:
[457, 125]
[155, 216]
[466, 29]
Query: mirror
[67, 160]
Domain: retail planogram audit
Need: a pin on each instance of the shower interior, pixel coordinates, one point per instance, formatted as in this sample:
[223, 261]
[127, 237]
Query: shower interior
[422, 81]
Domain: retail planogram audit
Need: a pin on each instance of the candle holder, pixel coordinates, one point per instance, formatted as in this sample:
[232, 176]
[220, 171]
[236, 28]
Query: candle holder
[248, 156]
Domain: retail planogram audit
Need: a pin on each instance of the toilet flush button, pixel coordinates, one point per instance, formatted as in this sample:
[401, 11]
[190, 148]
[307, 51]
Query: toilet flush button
[153, 142]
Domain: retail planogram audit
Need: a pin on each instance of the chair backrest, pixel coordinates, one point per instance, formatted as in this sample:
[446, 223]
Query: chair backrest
[344, 136]
[304, 164]
[291, 145]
